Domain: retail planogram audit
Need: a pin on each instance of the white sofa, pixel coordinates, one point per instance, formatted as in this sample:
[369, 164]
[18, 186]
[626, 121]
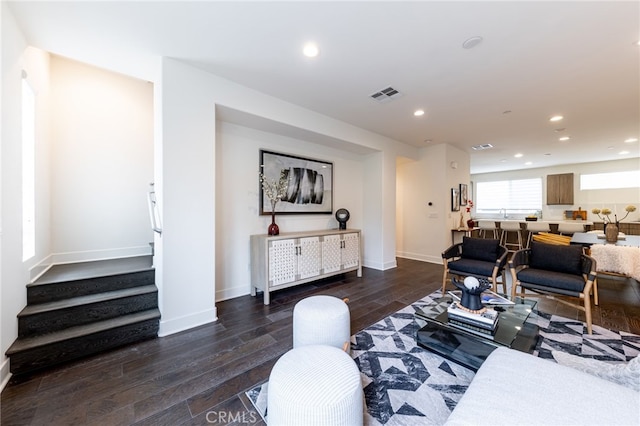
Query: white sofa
[514, 388]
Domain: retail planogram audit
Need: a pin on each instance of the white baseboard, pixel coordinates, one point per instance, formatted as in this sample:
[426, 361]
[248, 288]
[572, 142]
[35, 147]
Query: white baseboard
[186, 322]
[232, 293]
[44, 265]
[5, 374]
[87, 256]
[420, 257]
[390, 265]
[380, 266]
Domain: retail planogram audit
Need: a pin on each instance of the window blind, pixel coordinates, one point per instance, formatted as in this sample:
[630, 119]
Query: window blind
[515, 196]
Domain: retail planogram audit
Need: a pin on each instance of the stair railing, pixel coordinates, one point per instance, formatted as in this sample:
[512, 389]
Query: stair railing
[154, 213]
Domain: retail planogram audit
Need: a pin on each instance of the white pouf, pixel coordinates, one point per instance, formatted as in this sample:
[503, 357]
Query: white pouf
[321, 320]
[315, 385]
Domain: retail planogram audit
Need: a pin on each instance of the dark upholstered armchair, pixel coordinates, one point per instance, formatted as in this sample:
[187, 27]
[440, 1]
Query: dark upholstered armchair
[477, 257]
[555, 269]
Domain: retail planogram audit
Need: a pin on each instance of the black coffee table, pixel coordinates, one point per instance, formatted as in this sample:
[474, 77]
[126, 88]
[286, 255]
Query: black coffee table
[468, 348]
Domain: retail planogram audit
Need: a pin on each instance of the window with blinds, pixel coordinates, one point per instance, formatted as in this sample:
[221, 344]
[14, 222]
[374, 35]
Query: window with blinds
[521, 196]
[628, 179]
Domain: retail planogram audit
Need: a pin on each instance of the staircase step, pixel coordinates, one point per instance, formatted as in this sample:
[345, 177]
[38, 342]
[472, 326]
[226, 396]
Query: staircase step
[80, 279]
[33, 353]
[48, 317]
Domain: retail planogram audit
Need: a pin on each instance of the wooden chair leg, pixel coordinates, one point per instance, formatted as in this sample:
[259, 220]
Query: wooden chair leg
[514, 281]
[444, 280]
[595, 292]
[587, 312]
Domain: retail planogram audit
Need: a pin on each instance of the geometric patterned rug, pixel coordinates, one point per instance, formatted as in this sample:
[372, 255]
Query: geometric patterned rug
[405, 384]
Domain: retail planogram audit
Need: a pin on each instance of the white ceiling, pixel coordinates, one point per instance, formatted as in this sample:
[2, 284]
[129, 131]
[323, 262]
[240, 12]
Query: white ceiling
[537, 59]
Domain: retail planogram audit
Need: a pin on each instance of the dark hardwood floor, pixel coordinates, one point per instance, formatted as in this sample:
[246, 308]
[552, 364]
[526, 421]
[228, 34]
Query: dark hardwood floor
[199, 376]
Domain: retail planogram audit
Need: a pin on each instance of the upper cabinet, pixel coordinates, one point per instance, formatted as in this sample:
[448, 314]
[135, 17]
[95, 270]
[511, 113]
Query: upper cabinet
[560, 189]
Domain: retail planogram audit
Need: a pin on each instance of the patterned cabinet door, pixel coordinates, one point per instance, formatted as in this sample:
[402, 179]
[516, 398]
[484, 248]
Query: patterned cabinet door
[350, 250]
[282, 262]
[309, 257]
[331, 256]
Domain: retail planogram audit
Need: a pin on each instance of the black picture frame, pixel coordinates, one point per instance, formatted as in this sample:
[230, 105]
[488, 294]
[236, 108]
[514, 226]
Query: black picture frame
[310, 188]
[464, 194]
[455, 199]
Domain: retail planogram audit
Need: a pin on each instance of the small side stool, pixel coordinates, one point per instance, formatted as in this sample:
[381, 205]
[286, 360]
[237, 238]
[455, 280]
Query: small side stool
[315, 385]
[321, 320]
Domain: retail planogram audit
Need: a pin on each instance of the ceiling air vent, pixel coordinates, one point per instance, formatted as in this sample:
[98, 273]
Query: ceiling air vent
[385, 95]
[482, 147]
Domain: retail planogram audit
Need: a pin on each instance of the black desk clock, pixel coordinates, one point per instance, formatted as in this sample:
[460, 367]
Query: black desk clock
[342, 216]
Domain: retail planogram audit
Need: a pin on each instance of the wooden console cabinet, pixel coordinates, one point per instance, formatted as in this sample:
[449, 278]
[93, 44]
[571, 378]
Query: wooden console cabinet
[289, 259]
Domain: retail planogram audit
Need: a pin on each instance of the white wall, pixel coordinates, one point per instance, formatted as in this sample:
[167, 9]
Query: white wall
[587, 199]
[423, 230]
[187, 188]
[237, 198]
[186, 198]
[102, 163]
[14, 273]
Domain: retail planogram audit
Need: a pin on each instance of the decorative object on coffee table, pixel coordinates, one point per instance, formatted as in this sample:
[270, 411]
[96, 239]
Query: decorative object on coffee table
[472, 288]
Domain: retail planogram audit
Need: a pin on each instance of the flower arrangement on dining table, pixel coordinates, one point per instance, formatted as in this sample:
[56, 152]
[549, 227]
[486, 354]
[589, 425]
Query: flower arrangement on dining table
[606, 218]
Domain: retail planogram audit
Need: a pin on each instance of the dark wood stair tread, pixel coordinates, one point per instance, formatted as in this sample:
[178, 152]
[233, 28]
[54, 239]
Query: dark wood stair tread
[93, 269]
[85, 300]
[24, 344]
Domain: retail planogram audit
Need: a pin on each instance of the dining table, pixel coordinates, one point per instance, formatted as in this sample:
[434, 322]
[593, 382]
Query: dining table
[587, 239]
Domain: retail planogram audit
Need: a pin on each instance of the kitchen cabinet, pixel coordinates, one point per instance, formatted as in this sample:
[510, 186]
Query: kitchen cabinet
[560, 189]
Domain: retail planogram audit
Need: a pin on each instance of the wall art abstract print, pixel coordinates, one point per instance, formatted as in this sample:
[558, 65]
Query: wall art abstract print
[310, 187]
[455, 200]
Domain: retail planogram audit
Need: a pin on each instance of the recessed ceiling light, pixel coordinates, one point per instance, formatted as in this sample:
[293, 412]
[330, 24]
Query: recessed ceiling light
[564, 138]
[472, 42]
[504, 160]
[556, 118]
[519, 155]
[623, 152]
[428, 140]
[528, 163]
[418, 113]
[631, 140]
[310, 50]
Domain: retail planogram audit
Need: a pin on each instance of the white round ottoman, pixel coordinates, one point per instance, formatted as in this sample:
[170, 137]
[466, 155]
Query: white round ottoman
[315, 385]
[321, 320]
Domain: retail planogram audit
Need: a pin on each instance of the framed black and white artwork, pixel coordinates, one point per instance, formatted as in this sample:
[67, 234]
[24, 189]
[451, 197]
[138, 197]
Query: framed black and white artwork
[455, 199]
[464, 197]
[309, 184]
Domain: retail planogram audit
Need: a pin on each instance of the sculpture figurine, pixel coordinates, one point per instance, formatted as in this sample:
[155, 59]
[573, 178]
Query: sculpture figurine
[472, 288]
